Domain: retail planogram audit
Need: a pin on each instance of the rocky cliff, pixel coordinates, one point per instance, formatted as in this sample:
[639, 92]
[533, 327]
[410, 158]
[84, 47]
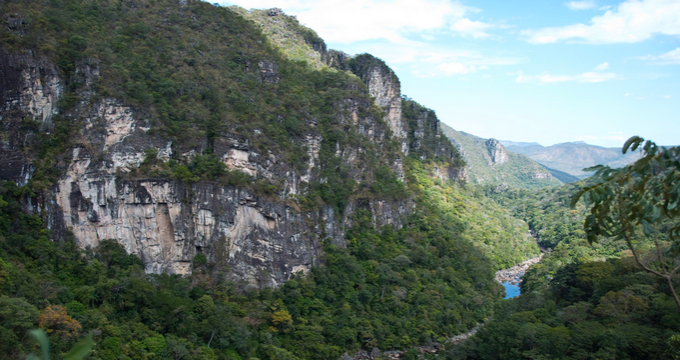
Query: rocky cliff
[30, 87]
[119, 172]
[496, 152]
[301, 43]
[384, 87]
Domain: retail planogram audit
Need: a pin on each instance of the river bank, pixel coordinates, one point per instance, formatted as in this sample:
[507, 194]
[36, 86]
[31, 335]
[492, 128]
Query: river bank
[512, 275]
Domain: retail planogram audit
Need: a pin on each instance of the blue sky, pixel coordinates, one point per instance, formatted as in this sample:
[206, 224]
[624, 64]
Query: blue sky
[544, 71]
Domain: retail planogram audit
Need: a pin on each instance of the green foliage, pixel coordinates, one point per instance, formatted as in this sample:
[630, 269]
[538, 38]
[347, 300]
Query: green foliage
[546, 211]
[425, 136]
[297, 42]
[604, 302]
[479, 220]
[200, 259]
[641, 195]
[621, 313]
[78, 352]
[386, 184]
[640, 198]
[388, 288]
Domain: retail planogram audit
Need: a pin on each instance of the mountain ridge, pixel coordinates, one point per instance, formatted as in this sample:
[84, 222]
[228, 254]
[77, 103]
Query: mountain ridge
[573, 157]
[489, 162]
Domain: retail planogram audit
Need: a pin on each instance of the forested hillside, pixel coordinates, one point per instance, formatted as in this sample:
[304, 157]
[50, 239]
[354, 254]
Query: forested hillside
[490, 163]
[188, 181]
[178, 186]
[589, 300]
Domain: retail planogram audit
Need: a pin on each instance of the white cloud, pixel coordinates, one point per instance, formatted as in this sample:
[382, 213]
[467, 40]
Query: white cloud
[667, 96]
[347, 21]
[580, 5]
[476, 29]
[603, 66]
[631, 21]
[587, 77]
[671, 57]
[429, 60]
[454, 68]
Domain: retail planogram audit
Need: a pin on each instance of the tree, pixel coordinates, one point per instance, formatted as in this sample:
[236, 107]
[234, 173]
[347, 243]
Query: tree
[639, 201]
[55, 320]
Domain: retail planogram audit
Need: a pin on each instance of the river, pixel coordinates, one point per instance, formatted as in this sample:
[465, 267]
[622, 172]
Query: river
[510, 278]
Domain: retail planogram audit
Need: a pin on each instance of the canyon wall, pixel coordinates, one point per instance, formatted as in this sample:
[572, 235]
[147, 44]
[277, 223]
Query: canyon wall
[260, 239]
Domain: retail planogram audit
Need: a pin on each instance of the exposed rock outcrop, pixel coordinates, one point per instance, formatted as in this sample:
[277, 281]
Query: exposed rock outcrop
[513, 274]
[385, 87]
[29, 89]
[497, 152]
[167, 223]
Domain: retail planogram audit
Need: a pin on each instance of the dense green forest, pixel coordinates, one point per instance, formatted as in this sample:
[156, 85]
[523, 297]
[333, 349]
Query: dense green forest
[388, 289]
[197, 72]
[594, 300]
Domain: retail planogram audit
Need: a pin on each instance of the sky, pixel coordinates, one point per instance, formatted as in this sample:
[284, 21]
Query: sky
[530, 71]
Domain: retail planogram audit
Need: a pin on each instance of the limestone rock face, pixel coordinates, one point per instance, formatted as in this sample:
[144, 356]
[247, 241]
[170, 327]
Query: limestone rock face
[497, 152]
[385, 87]
[29, 89]
[387, 92]
[166, 222]
[426, 140]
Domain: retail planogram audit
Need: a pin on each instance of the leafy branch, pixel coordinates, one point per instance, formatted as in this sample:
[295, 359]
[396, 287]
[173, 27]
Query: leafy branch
[644, 195]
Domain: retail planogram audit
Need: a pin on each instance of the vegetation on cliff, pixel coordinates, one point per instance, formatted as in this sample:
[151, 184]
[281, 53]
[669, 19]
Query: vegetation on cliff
[387, 289]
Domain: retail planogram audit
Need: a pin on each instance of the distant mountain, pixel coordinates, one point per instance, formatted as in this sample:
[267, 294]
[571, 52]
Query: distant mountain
[573, 157]
[507, 143]
[561, 175]
[489, 162]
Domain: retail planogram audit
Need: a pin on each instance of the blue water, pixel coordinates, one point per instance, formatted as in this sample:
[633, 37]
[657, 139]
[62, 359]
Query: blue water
[511, 290]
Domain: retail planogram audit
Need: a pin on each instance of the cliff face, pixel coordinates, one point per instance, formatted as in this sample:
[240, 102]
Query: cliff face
[260, 238]
[29, 89]
[497, 152]
[426, 141]
[385, 88]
